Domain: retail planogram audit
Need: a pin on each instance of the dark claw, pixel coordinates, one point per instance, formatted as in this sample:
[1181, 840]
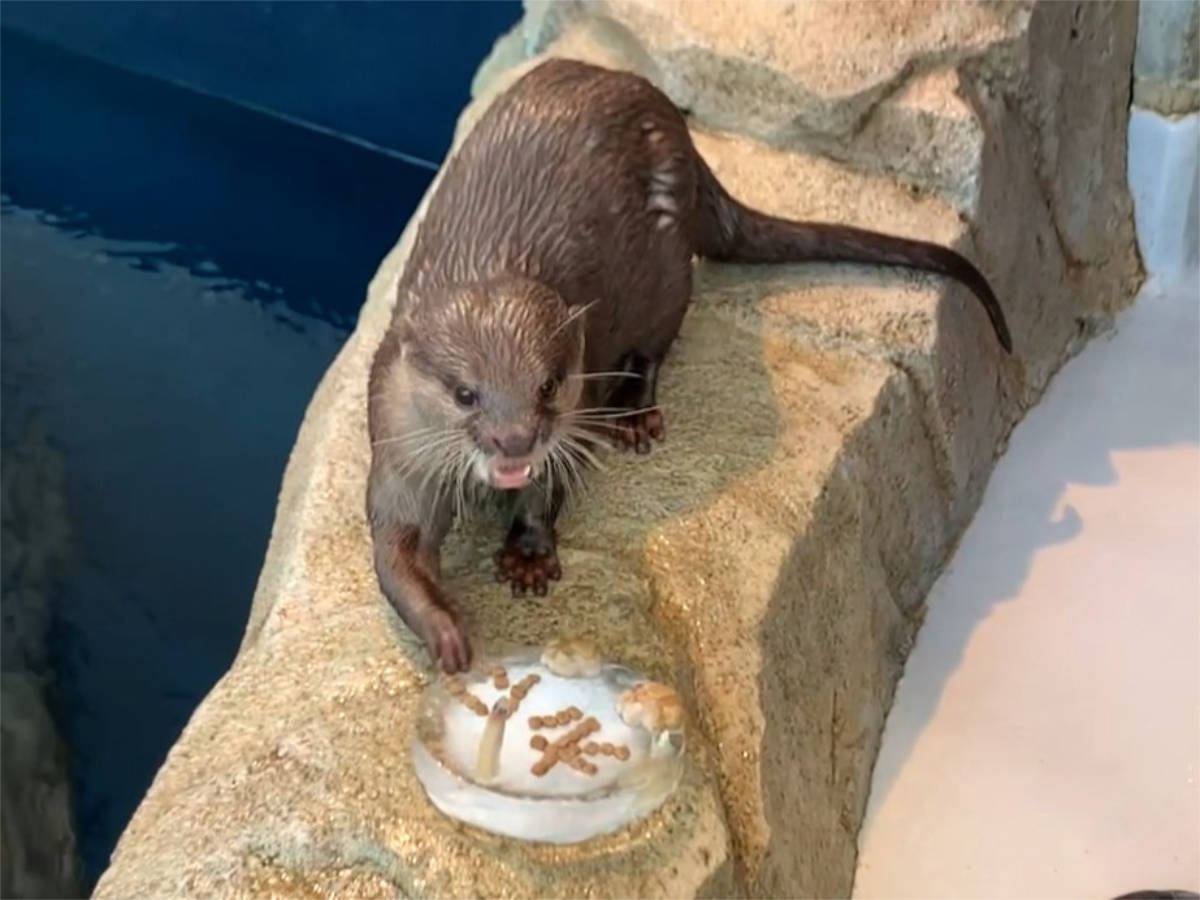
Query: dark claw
[447, 641]
[655, 425]
[636, 431]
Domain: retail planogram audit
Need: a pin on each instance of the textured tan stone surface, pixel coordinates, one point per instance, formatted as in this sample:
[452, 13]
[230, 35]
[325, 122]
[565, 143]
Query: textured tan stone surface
[830, 430]
[869, 83]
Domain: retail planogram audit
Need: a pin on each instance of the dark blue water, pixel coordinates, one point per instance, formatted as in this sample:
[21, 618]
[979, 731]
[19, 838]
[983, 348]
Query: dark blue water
[177, 274]
[390, 72]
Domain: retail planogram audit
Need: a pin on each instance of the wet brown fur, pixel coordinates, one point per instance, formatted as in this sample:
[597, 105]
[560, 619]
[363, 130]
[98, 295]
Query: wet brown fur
[560, 242]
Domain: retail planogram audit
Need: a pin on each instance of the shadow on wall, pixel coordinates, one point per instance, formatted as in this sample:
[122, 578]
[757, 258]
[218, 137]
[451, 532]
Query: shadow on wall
[1154, 404]
[1061, 303]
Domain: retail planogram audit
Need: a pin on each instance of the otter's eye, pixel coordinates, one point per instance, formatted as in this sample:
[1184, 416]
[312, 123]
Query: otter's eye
[546, 391]
[465, 397]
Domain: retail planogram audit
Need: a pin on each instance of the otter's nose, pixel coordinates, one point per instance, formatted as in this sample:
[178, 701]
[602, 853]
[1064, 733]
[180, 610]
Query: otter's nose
[514, 441]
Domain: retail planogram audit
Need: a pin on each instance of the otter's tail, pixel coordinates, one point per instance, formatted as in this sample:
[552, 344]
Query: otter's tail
[732, 232]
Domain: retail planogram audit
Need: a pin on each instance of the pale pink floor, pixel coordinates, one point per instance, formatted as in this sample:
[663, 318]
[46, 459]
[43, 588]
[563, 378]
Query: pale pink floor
[1045, 740]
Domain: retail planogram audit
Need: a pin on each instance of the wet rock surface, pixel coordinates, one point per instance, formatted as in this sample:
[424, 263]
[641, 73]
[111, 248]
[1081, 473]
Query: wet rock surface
[38, 853]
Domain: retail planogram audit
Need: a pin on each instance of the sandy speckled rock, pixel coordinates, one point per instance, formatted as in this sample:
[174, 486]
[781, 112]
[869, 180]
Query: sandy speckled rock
[874, 84]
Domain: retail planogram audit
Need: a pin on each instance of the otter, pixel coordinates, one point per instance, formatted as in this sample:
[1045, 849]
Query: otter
[547, 282]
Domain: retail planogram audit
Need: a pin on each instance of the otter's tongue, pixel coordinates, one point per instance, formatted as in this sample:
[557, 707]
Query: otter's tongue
[511, 476]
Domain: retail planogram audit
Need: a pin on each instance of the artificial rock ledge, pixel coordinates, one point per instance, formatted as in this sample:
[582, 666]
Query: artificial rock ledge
[831, 430]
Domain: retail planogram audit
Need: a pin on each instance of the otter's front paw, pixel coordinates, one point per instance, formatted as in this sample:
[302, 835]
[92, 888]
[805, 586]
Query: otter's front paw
[528, 561]
[446, 640]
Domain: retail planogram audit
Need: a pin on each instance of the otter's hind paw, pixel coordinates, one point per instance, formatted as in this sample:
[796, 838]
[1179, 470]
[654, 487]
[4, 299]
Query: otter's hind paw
[635, 431]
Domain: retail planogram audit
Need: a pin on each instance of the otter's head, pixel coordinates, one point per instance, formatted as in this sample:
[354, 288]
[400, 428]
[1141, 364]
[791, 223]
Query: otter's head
[493, 363]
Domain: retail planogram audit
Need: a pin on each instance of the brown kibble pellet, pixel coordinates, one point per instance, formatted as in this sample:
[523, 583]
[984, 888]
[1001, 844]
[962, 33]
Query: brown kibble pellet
[591, 748]
[475, 704]
[569, 751]
[573, 736]
[580, 731]
[525, 684]
[539, 742]
[535, 722]
[548, 760]
[622, 753]
[501, 682]
[575, 713]
[563, 717]
[607, 749]
[518, 692]
[582, 765]
[471, 702]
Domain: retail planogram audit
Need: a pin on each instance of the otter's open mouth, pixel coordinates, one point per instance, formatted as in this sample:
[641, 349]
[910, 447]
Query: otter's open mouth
[511, 475]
